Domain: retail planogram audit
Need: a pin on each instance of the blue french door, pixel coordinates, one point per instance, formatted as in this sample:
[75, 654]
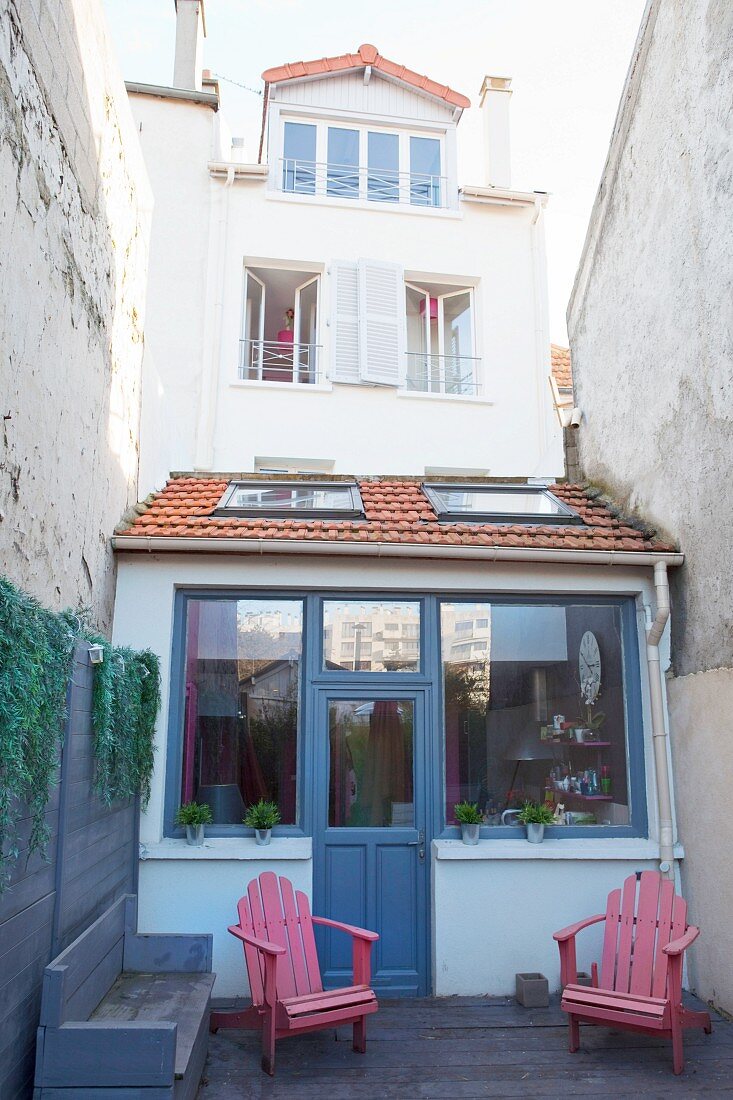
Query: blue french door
[372, 832]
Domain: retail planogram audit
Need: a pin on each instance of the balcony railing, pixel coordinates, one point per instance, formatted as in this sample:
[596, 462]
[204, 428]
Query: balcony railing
[450, 374]
[272, 361]
[343, 181]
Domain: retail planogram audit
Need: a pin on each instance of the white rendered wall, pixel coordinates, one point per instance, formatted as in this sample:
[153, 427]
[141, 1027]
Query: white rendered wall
[74, 222]
[204, 233]
[469, 896]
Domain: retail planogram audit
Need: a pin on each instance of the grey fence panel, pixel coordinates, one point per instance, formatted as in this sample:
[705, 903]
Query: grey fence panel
[91, 862]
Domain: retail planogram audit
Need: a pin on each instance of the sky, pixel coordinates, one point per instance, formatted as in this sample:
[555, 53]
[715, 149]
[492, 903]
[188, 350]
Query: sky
[567, 60]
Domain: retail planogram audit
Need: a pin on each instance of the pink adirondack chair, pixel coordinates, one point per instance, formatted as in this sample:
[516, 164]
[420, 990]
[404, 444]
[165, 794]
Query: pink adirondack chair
[276, 931]
[640, 983]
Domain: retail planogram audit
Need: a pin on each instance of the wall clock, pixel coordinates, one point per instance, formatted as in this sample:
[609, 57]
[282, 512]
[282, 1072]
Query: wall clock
[589, 666]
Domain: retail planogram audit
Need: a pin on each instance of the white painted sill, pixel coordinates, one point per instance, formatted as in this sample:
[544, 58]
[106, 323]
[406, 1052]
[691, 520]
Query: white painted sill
[365, 204]
[609, 848]
[291, 387]
[464, 398]
[235, 848]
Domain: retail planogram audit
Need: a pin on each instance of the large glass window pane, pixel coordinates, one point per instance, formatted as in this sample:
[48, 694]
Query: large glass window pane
[425, 181]
[500, 503]
[299, 158]
[535, 710]
[392, 629]
[371, 760]
[383, 152]
[240, 729]
[254, 305]
[282, 498]
[343, 163]
[458, 343]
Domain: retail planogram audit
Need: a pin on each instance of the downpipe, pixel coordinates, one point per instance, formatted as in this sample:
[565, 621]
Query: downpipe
[659, 729]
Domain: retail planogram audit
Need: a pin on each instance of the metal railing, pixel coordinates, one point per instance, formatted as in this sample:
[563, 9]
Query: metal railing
[451, 374]
[271, 361]
[344, 181]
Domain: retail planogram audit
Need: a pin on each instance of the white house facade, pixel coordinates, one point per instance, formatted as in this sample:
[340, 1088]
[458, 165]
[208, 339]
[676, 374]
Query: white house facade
[397, 604]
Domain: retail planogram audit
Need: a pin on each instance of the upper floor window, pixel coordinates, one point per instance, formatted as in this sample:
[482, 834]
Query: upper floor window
[280, 326]
[351, 162]
[440, 339]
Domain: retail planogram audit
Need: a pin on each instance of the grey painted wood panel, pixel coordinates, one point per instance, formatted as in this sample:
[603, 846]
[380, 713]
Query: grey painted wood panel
[158, 953]
[91, 863]
[109, 1053]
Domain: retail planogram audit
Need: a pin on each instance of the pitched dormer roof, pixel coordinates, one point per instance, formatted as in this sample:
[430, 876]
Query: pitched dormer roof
[366, 55]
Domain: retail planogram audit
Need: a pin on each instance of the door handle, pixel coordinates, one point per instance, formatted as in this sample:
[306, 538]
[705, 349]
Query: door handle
[419, 844]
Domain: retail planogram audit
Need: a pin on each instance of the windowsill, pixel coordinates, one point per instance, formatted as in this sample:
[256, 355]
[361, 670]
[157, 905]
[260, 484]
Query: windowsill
[631, 848]
[236, 848]
[300, 387]
[365, 204]
[467, 398]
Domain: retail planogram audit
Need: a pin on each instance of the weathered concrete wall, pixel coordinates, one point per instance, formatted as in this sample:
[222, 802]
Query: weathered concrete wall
[651, 334]
[651, 320]
[700, 708]
[74, 217]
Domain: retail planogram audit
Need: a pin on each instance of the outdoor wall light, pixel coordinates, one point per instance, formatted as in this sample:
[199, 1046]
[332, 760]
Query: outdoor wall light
[96, 654]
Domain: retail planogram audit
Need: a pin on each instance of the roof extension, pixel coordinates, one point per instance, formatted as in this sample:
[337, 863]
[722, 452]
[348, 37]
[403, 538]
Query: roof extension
[396, 511]
[561, 367]
[366, 55]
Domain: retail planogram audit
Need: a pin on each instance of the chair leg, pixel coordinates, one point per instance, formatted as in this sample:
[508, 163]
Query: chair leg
[574, 1036]
[359, 1041]
[678, 1054]
[268, 1043]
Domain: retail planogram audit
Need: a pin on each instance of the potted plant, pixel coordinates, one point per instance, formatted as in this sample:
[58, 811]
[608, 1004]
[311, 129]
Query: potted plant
[262, 817]
[194, 816]
[468, 817]
[535, 816]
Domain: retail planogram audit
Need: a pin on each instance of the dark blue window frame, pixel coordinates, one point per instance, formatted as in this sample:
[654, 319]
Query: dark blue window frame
[430, 674]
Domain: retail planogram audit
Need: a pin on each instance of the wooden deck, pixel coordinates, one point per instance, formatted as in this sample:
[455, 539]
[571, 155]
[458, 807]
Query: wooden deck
[463, 1047]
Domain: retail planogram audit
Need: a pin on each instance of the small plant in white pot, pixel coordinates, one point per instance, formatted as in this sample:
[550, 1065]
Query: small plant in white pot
[194, 816]
[262, 817]
[468, 817]
[535, 816]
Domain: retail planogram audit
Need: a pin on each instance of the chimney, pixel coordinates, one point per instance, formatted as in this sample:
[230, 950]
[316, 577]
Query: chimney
[496, 93]
[190, 34]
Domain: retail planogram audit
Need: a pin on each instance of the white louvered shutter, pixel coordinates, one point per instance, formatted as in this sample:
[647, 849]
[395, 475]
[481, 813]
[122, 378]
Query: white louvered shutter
[381, 322]
[345, 357]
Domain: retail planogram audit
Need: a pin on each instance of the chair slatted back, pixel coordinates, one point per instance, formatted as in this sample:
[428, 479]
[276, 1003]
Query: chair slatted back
[273, 911]
[641, 919]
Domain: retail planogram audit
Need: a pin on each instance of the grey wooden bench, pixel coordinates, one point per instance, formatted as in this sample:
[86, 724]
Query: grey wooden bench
[124, 1015]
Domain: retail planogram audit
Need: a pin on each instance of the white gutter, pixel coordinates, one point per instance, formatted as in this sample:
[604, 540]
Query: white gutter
[154, 544]
[502, 196]
[659, 729]
[239, 171]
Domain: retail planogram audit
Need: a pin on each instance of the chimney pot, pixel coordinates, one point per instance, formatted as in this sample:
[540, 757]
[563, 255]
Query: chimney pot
[190, 34]
[496, 92]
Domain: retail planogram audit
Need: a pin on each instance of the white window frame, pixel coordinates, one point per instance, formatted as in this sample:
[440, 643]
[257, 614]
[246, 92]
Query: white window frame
[245, 337]
[471, 291]
[404, 133]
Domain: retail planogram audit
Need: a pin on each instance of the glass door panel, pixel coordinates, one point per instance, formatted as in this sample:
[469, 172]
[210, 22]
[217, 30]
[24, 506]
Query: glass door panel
[425, 171]
[371, 772]
[254, 327]
[383, 154]
[299, 158]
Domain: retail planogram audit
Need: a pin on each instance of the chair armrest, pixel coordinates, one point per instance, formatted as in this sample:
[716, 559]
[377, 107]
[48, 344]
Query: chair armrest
[260, 945]
[676, 947]
[572, 930]
[358, 933]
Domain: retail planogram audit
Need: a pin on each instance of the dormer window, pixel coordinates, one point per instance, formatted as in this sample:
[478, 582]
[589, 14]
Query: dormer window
[367, 163]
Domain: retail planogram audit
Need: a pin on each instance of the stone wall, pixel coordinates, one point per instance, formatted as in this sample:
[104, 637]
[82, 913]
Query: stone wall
[651, 334]
[74, 220]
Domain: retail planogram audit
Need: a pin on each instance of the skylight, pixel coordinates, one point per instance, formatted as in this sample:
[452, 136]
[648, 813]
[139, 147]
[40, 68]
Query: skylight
[286, 499]
[498, 504]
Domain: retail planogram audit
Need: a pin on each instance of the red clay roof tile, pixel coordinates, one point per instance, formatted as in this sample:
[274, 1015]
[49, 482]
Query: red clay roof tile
[561, 367]
[365, 55]
[396, 511]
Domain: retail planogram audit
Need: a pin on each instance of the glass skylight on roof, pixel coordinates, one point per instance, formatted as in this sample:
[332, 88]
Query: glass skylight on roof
[307, 500]
[498, 504]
